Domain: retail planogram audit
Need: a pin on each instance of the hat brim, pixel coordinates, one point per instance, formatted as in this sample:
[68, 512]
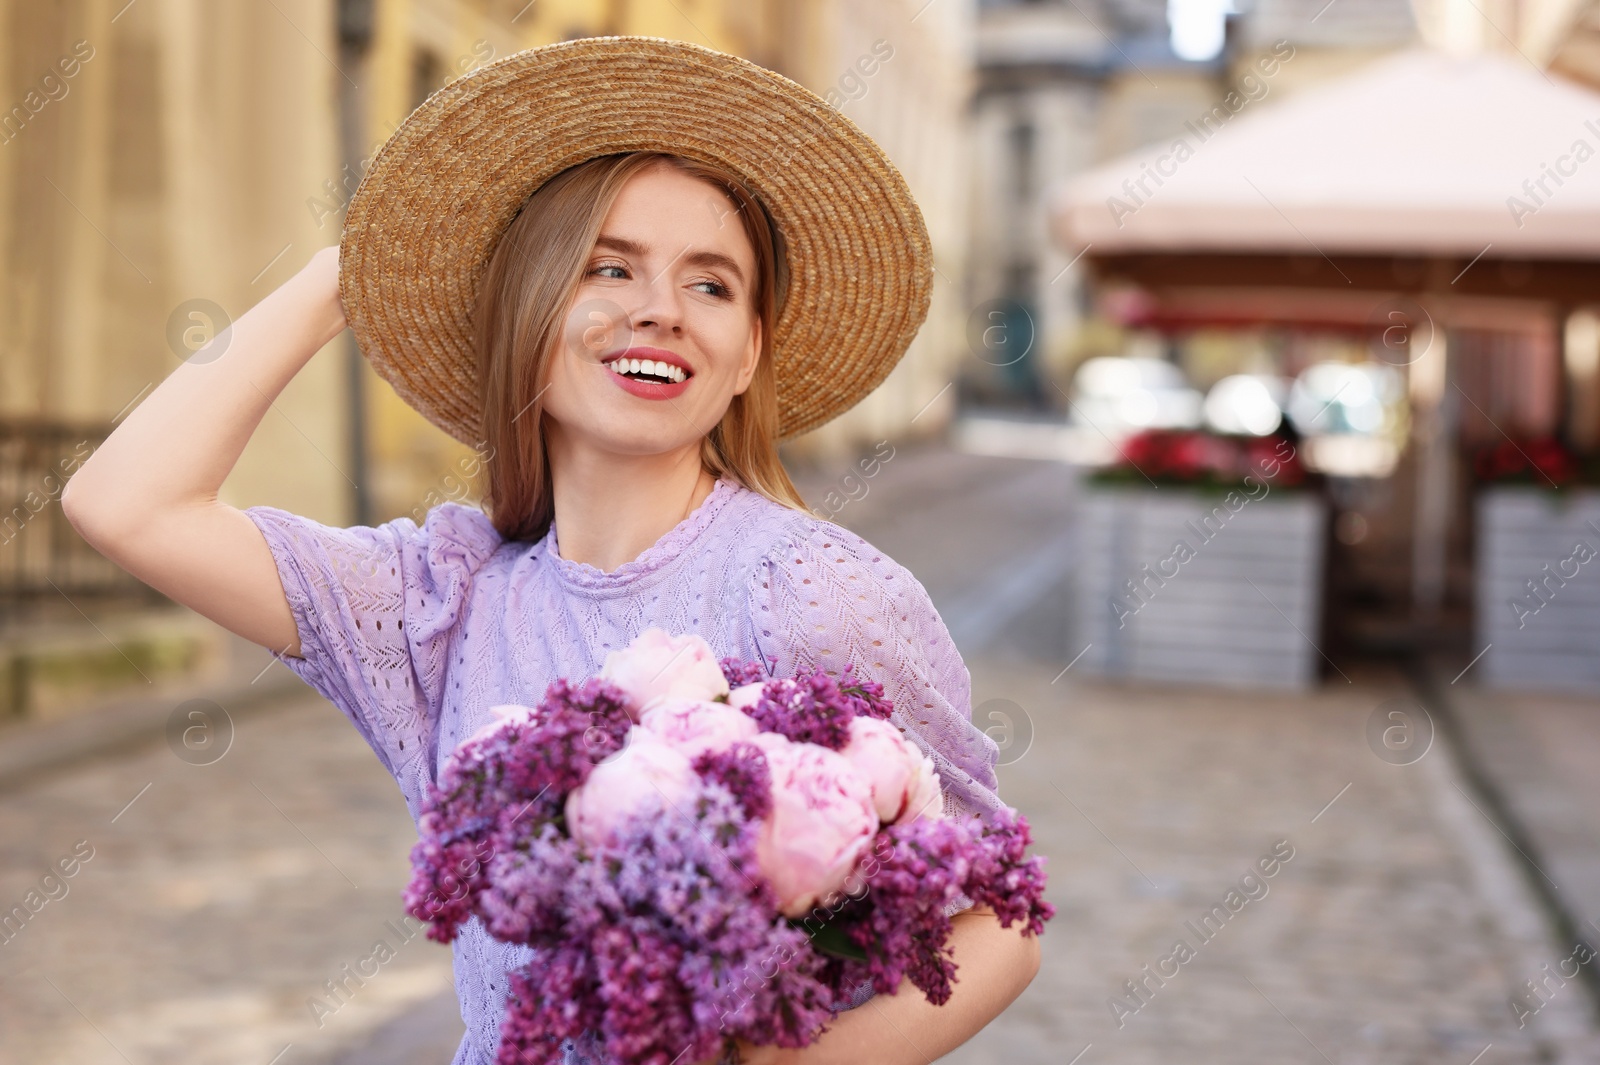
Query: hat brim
[439, 195]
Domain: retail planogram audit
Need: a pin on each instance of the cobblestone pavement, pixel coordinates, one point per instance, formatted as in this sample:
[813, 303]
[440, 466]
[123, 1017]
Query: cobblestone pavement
[218, 903]
[1539, 751]
[1396, 933]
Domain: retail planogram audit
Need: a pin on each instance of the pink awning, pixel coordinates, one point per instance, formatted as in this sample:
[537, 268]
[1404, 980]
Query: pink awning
[1417, 154]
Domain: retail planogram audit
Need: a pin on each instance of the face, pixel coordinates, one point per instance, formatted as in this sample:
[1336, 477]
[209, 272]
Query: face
[662, 332]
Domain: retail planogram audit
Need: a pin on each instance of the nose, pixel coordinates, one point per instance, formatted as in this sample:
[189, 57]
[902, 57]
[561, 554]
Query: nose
[661, 306]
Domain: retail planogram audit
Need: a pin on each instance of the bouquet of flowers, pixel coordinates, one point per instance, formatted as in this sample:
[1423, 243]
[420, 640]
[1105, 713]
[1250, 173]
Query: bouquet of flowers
[699, 854]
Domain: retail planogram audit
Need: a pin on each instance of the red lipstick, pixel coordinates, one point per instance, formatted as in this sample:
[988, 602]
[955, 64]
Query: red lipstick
[649, 372]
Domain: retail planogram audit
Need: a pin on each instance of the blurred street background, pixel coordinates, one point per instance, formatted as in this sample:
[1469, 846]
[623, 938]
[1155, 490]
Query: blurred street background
[1250, 452]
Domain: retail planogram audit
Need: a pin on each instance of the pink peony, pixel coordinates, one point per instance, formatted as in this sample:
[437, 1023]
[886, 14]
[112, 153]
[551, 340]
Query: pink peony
[645, 776]
[659, 665]
[822, 821]
[695, 726]
[904, 782]
[746, 695]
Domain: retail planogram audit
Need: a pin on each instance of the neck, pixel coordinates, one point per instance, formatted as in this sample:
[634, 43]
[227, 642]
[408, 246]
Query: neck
[610, 509]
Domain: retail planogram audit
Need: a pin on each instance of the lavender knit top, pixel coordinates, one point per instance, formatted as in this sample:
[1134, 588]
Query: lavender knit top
[415, 632]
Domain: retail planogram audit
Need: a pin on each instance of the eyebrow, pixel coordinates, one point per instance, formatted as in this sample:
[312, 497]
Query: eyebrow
[694, 258]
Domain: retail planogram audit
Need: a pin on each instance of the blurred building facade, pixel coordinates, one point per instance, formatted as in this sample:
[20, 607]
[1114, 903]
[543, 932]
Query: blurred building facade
[1562, 36]
[1063, 86]
[153, 165]
[1060, 87]
[154, 162]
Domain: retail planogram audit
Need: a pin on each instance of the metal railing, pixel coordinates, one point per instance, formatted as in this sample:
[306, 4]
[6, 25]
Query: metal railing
[42, 558]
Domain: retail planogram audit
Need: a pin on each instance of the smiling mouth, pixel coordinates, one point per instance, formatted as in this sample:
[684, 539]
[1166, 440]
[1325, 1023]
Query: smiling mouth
[651, 370]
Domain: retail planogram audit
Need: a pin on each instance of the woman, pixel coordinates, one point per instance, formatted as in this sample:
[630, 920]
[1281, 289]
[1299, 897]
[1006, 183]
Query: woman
[625, 300]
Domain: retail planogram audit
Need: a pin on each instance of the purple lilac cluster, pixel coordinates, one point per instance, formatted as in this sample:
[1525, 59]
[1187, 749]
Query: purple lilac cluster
[740, 672]
[863, 697]
[647, 942]
[666, 940]
[914, 871]
[499, 786]
[813, 707]
[742, 770]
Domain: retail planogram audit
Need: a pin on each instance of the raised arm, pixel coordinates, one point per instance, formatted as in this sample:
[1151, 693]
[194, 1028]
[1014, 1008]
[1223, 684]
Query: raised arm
[147, 499]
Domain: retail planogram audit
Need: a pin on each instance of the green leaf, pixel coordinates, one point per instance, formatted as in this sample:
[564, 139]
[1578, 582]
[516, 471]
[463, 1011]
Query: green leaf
[830, 939]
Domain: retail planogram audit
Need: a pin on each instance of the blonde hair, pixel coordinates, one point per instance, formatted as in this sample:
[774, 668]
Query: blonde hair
[523, 300]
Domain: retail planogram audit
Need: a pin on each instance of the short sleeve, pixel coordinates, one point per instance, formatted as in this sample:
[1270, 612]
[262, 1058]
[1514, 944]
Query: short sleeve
[376, 609]
[827, 598]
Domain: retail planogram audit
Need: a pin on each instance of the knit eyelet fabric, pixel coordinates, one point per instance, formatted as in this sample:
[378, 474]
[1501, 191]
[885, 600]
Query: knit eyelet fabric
[415, 632]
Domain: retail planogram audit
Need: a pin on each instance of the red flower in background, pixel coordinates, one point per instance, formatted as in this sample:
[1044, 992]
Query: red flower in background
[1262, 452]
[1175, 454]
[1543, 460]
[1191, 456]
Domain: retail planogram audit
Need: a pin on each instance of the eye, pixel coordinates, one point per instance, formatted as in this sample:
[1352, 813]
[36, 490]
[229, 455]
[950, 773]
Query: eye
[610, 270]
[714, 289]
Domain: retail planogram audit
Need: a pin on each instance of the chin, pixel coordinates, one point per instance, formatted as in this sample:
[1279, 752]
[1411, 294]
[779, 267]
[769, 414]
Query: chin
[623, 425]
[645, 436]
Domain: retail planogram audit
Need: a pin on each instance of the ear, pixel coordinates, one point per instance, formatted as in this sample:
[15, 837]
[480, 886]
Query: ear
[751, 357]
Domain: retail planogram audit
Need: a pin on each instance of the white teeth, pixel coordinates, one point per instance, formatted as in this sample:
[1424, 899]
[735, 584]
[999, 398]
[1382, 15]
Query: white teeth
[653, 367]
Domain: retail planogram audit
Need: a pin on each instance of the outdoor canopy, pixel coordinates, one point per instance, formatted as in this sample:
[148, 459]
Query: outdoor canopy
[1420, 153]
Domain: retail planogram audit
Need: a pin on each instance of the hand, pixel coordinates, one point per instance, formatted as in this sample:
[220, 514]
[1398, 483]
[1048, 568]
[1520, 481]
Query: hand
[751, 1054]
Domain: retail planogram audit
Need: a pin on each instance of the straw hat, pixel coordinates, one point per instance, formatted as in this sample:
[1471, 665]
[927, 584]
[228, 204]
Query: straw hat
[437, 197]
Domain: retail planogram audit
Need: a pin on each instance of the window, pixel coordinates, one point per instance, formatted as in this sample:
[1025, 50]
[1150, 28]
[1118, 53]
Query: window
[1022, 152]
[427, 74]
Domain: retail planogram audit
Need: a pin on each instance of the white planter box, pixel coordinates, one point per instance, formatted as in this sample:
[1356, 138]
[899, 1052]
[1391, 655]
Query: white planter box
[1232, 595]
[1538, 589]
